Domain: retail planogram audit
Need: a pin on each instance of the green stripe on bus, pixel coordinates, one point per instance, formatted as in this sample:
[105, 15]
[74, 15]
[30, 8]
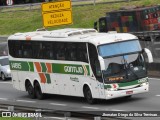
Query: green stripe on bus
[17, 65]
[57, 68]
[31, 66]
[70, 69]
[44, 68]
[136, 82]
[48, 78]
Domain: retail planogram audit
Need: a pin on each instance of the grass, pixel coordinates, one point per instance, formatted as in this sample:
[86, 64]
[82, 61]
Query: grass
[83, 17]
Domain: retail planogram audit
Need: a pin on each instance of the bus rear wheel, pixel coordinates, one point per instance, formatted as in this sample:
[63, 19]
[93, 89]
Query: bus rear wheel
[30, 90]
[38, 91]
[88, 95]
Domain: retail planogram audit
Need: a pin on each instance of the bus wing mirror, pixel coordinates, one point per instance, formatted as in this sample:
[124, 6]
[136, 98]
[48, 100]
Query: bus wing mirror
[101, 61]
[149, 55]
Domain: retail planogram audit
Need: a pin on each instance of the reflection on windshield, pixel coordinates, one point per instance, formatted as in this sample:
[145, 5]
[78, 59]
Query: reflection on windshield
[4, 61]
[124, 68]
[119, 48]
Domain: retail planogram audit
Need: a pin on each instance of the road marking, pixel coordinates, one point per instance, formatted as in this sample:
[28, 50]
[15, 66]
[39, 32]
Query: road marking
[26, 101]
[58, 104]
[4, 110]
[6, 82]
[54, 118]
[95, 108]
[158, 95]
[3, 98]
[117, 110]
[155, 79]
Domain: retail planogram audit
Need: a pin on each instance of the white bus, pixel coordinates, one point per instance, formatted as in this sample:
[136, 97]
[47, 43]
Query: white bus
[78, 62]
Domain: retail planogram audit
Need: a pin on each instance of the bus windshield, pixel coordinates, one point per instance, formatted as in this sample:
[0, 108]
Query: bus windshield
[123, 64]
[120, 48]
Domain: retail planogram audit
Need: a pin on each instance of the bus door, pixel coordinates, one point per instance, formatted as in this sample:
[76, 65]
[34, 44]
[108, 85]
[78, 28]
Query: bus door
[80, 68]
[95, 67]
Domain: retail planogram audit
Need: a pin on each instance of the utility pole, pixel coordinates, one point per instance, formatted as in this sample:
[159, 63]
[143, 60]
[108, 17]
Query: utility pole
[94, 2]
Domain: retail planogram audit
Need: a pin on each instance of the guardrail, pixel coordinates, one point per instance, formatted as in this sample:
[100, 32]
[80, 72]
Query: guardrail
[40, 113]
[34, 6]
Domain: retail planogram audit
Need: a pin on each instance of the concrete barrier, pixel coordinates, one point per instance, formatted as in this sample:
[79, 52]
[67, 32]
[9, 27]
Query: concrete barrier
[3, 38]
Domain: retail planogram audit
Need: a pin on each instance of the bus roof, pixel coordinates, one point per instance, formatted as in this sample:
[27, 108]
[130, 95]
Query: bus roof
[74, 35]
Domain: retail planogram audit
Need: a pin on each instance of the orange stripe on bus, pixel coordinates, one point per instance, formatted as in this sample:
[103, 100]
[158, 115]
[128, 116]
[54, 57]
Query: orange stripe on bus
[49, 67]
[43, 78]
[28, 38]
[38, 66]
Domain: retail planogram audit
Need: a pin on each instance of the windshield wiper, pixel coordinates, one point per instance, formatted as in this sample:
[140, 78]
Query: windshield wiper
[128, 68]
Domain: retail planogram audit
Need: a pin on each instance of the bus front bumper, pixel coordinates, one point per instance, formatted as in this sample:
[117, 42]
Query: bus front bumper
[127, 92]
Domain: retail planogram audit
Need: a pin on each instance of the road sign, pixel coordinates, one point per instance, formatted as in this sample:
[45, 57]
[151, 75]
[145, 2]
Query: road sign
[56, 6]
[9, 2]
[57, 18]
[57, 13]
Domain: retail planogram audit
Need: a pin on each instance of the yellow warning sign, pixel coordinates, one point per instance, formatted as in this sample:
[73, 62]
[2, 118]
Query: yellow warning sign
[56, 6]
[57, 18]
[57, 13]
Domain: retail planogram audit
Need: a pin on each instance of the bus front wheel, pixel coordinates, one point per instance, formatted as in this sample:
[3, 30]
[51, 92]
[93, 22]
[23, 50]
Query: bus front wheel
[30, 90]
[38, 91]
[88, 95]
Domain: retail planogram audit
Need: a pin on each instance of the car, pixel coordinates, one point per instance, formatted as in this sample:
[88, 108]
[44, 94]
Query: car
[5, 71]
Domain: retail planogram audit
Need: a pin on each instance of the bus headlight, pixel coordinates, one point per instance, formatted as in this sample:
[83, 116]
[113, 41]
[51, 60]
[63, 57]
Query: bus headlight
[111, 89]
[144, 84]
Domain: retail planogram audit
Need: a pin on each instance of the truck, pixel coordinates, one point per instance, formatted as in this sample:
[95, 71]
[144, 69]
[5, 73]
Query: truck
[143, 21]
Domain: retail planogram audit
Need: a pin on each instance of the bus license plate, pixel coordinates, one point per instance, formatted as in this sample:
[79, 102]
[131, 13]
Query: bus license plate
[129, 92]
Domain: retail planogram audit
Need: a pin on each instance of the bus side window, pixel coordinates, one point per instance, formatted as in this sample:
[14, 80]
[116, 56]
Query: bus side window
[93, 56]
[60, 52]
[82, 52]
[27, 49]
[17, 50]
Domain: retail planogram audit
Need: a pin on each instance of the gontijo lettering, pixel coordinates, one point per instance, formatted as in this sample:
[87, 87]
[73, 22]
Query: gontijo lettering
[73, 69]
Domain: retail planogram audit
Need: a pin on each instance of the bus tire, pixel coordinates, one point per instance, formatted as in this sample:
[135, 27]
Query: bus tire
[38, 91]
[30, 90]
[88, 95]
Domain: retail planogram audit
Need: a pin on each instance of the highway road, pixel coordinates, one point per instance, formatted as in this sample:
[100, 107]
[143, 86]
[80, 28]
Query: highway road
[142, 102]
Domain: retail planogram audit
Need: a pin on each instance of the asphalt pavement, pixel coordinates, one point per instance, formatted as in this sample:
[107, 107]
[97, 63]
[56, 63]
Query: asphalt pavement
[141, 102]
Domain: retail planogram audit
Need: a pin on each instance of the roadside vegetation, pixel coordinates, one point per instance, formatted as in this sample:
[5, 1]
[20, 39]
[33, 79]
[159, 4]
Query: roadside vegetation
[83, 17]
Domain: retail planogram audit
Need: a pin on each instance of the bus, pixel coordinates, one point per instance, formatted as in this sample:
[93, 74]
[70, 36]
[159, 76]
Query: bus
[78, 62]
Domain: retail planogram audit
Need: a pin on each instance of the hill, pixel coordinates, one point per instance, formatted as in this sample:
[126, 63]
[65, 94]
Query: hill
[83, 17]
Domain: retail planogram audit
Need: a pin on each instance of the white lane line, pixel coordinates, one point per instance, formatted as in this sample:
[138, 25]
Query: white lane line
[26, 101]
[3, 110]
[154, 79]
[58, 104]
[6, 82]
[4, 99]
[54, 118]
[158, 95]
[95, 108]
[117, 110]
